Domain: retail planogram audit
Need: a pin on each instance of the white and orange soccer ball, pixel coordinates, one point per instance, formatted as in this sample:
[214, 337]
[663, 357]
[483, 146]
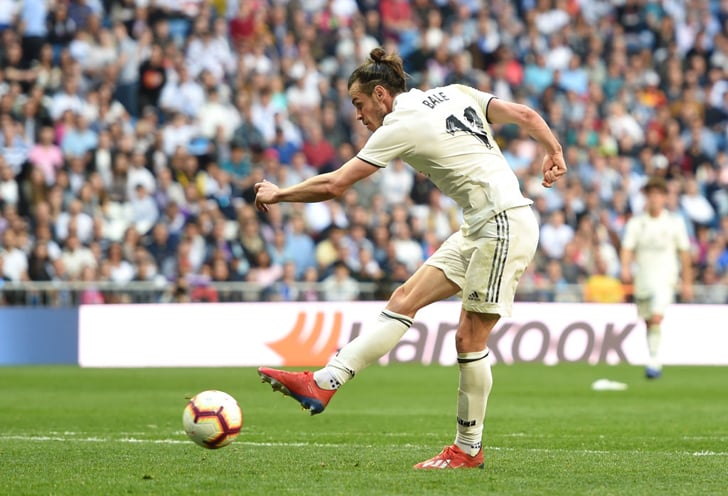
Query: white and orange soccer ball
[212, 419]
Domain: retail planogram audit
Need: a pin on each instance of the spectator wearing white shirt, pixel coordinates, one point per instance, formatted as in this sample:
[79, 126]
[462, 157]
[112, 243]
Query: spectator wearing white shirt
[406, 250]
[340, 286]
[695, 204]
[139, 174]
[354, 45]
[622, 124]
[215, 115]
[8, 13]
[67, 99]
[550, 20]
[196, 249]
[76, 257]
[80, 48]
[144, 211]
[9, 190]
[344, 9]
[120, 270]
[257, 62]
[182, 94]
[263, 114]
[102, 53]
[74, 218]
[179, 132]
[555, 235]
[207, 52]
[15, 266]
[396, 182]
[320, 216]
[303, 97]
[559, 53]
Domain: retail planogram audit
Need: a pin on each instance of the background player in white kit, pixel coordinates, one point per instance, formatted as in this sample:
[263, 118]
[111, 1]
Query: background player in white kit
[445, 134]
[657, 242]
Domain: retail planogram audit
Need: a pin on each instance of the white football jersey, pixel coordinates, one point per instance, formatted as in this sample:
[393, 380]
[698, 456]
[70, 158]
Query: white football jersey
[444, 134]
[656, 242]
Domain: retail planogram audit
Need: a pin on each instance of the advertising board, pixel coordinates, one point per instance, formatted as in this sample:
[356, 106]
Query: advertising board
[307, 334]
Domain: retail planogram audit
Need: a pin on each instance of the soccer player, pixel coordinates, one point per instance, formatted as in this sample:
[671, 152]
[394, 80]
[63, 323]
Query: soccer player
[445, 134]
[655, 240]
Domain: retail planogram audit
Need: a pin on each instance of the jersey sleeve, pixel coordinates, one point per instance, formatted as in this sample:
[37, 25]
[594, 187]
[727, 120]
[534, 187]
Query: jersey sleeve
[481, 97]
[390, 141]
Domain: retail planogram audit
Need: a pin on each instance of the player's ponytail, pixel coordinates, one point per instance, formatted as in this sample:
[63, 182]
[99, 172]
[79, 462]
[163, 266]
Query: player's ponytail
[382, 69]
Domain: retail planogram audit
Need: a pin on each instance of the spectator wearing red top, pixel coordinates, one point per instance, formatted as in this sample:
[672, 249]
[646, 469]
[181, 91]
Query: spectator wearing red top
[242, 26]
[319, 152]
[396, 17]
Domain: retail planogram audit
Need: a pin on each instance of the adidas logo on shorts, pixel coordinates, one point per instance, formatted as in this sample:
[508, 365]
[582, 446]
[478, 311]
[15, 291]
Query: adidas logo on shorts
[474, 296]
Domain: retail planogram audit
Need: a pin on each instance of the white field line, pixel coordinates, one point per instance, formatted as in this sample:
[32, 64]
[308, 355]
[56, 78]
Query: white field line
[705, 438]
[77, 438]
[319, 435]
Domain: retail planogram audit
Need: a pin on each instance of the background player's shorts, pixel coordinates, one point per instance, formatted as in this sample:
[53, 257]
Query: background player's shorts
[656, 302]
[487, 264]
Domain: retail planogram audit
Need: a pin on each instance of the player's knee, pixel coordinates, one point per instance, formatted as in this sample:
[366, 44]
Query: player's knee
[467, 341]
[655, 320]
[399, 302]
[473, 331]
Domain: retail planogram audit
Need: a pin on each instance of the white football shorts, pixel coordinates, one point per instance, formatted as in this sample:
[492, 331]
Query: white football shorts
[487, 264]
[655, 302]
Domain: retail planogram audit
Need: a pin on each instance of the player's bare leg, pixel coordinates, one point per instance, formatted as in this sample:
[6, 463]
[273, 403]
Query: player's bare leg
[314, 390]
[427, 285]
[475, 384]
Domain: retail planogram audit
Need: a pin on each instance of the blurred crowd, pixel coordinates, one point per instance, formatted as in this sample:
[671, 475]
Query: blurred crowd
[132, 133]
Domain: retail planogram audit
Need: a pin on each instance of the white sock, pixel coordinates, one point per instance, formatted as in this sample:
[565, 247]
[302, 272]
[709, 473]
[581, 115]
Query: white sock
[654, 335]
[366, 349]
[476, 381]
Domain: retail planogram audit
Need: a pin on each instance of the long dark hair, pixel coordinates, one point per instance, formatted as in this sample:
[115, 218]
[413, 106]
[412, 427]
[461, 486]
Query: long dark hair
[380, 69]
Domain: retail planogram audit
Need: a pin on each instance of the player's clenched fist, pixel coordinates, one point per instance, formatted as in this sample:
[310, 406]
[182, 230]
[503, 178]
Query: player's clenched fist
[265, 194]
[553, 168]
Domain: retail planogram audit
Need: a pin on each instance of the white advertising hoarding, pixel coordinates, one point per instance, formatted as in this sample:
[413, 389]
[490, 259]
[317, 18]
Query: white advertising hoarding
[307, 334]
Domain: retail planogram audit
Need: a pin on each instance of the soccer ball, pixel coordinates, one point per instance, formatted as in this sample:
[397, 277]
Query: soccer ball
[212, 419]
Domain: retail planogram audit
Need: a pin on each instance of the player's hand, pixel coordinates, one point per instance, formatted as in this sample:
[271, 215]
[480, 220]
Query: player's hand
[265, 194]
[686, 292]
[553, 167]
[626, 276]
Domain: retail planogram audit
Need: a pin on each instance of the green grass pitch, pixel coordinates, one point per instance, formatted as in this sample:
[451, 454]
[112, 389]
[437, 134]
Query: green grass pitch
[71, 431]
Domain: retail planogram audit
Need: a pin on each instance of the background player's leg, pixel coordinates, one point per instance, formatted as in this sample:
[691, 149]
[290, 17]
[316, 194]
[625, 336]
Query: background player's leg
[654, 337]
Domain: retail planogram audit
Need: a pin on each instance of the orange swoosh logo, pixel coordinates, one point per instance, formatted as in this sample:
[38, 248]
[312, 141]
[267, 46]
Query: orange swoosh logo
[300, 350]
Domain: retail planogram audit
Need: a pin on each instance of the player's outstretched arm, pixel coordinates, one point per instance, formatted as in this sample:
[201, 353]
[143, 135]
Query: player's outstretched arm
[314, 189]
[504, 112]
